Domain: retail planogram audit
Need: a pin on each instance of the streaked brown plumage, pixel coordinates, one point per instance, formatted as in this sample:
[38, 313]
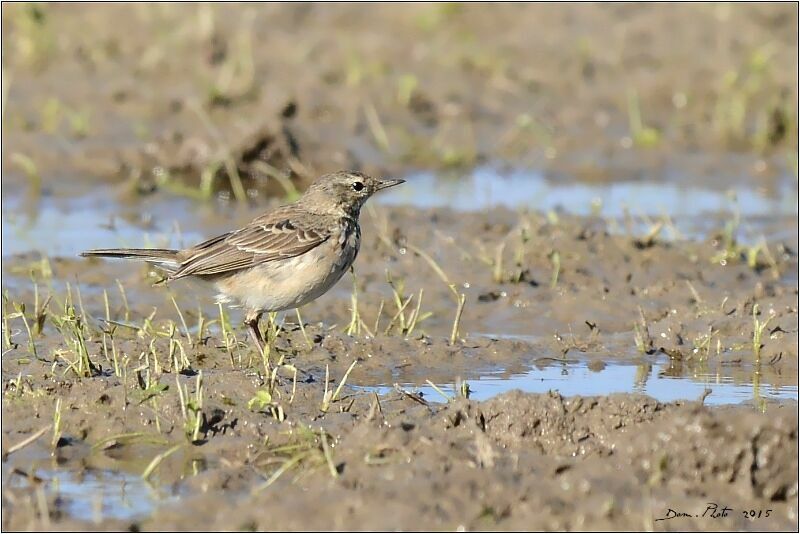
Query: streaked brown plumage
[282, 259]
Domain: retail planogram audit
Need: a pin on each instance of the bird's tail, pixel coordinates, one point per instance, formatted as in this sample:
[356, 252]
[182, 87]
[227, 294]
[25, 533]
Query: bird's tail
[163, 258]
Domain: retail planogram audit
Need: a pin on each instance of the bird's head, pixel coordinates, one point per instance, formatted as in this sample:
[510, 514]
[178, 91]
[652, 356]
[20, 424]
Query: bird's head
[345, 190]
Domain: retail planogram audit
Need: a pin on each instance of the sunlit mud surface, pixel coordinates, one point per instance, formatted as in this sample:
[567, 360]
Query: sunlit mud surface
[655, 318]
[567, 318]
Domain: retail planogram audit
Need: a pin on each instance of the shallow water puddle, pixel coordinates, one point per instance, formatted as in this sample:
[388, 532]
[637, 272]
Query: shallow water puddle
[95, 494]
[582, 378]
[67, 226]
[688, 205]
[64, 226]
[486, 187]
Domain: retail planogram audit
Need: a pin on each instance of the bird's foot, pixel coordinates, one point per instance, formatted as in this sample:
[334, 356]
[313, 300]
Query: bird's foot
[255, 333]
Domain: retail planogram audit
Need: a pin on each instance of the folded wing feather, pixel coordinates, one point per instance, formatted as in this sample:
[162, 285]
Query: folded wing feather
[256, 243]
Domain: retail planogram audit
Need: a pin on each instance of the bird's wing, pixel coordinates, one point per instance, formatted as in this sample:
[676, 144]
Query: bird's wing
[263, 240]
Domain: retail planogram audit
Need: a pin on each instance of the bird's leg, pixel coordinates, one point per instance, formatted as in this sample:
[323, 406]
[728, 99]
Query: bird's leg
[251, 320]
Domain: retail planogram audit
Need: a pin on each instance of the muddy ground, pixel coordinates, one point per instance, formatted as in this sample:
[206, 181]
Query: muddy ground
[124, 410]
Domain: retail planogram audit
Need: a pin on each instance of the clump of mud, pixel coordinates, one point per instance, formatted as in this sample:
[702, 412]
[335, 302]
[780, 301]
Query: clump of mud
[264, 160]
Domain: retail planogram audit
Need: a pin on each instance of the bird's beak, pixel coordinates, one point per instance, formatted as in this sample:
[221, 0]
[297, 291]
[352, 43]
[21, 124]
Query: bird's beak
[384, 184]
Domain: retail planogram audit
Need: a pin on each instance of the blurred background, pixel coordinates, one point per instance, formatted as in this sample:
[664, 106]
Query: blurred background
[140, 117]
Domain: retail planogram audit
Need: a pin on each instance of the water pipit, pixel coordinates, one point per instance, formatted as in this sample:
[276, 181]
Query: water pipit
[280, 260]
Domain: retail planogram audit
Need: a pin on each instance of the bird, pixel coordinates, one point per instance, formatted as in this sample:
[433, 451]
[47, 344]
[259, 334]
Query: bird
[280, 260]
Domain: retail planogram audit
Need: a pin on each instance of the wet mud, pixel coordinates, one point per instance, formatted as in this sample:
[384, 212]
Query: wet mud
[573, 319]
[451, 461]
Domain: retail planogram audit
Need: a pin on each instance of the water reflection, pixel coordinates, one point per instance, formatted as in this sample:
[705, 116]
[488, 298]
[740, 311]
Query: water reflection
[667, 384]
[485, 188]
[694, 210]
[93, 494]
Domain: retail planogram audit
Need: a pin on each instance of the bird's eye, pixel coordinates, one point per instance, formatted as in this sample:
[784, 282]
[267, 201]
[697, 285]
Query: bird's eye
[358, 186]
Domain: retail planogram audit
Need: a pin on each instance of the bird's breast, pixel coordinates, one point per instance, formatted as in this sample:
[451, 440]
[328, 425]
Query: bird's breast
[284, 284]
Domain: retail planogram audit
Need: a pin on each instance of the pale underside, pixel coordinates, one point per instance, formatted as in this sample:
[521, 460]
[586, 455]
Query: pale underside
[290, 283]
